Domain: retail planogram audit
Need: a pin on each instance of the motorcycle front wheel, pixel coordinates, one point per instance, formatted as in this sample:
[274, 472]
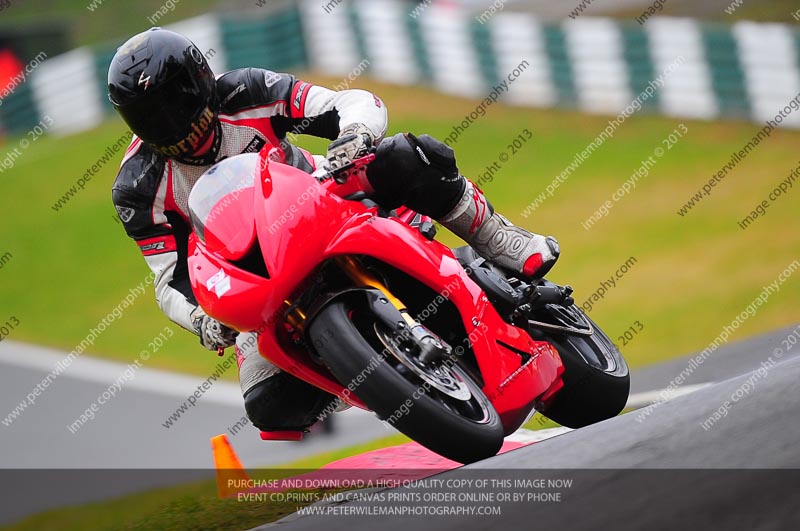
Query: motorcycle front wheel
[442, 409]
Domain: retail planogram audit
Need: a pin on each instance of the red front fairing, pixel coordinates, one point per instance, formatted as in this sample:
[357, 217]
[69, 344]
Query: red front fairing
[300, 224]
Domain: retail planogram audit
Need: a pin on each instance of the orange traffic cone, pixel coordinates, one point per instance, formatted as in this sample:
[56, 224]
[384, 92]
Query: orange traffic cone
[231, 476]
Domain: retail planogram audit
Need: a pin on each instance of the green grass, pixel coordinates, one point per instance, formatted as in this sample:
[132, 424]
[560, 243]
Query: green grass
[106, 24]
[694, 274]
[184, 507]
[194, 506]
[765, 11]
[540, 422]
[110, 20]
[714, 10]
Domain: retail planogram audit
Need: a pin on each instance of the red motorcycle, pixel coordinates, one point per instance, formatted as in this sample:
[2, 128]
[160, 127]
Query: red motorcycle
[366, 305]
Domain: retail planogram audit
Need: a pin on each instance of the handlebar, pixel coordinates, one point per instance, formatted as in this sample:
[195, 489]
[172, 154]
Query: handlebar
[340, 175]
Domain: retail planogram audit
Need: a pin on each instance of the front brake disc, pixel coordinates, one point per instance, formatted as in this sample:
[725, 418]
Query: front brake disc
[440, 376]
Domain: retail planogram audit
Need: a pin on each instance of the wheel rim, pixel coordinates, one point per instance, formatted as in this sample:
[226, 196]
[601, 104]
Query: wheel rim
[441, 377]
[450, 386]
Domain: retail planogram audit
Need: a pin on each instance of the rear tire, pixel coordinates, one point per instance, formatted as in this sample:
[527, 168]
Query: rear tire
[596, 379]
[435, 420]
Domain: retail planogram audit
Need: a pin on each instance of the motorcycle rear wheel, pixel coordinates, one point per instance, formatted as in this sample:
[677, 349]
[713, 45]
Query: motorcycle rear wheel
[596, 378]
[464, 431]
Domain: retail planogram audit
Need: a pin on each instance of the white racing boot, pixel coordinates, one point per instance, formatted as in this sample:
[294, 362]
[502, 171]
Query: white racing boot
[495, 238]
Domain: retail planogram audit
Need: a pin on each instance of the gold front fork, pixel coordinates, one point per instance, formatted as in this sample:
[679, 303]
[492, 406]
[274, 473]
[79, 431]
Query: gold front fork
[361, 277]
[294, 316]
[431, 347]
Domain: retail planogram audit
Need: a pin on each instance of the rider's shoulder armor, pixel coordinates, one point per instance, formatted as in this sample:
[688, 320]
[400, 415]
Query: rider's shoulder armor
[247, 88]
[135, 188]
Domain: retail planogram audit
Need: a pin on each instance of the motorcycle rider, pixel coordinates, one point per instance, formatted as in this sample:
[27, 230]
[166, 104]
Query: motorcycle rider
[185, 120]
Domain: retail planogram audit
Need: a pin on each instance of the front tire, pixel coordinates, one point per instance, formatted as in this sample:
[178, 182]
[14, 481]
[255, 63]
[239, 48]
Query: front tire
[462, 431]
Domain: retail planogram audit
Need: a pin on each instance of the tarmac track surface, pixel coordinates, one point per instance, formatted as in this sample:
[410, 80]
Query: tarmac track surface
[759, 430]
[682, 466]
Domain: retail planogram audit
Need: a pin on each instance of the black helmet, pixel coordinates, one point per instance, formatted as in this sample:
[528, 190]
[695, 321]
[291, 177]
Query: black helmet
[161, 84]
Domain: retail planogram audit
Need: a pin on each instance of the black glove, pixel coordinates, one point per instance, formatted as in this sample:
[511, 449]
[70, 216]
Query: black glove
[424, 156]
[419, 172]
[213, 334]
[437, 156]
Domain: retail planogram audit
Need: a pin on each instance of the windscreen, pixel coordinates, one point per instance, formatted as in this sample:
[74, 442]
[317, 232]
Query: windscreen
[216, 192]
